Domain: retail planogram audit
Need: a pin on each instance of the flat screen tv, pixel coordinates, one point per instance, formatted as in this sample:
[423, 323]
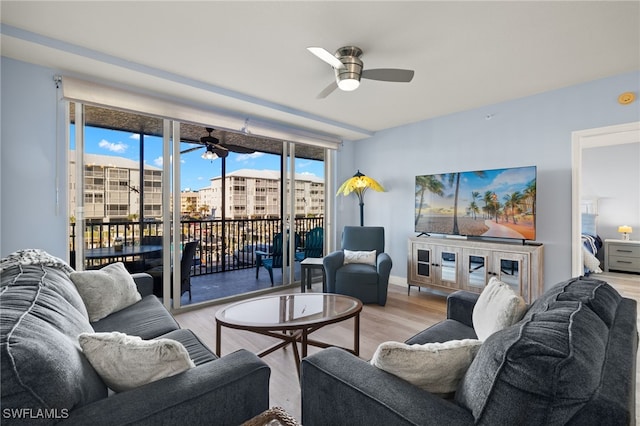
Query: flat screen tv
[499, 203]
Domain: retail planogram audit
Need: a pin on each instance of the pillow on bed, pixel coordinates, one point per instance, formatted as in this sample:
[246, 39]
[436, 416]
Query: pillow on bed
[590, 261]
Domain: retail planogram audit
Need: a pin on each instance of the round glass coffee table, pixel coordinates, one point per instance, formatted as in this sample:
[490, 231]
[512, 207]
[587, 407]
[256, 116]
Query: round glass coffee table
[291, 318]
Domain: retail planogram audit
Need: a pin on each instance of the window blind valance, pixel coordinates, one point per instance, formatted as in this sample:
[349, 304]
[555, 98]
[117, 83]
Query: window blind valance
[95, 94]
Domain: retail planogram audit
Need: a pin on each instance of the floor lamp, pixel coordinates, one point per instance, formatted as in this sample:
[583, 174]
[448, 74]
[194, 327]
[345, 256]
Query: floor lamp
[359, 184]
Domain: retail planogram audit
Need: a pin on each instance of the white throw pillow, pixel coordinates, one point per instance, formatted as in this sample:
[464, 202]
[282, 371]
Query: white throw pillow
[497, 307]
[366, 257]
[106, 291]
[434, 367]
[590, 261]
[126, 362]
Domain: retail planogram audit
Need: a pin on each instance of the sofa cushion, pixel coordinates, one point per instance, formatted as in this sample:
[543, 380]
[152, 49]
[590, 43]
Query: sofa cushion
[41, 315]
[434, 367]
[549, 365]
[198, 351]
[127, 362]
[107, 290]
[497, 307]
[598, 295]
[448, 329]
[147, 319]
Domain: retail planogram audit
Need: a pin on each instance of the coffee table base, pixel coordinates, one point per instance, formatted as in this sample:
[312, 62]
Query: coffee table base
[292, 337]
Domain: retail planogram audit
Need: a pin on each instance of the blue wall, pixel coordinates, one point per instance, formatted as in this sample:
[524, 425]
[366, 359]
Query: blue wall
[33, 213]
[531, 131]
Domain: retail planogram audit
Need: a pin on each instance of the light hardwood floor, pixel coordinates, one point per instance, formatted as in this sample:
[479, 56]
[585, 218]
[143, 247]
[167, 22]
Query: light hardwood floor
[402, 317]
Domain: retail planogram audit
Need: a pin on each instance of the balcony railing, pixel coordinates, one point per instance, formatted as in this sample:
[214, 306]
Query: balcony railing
[224, 246]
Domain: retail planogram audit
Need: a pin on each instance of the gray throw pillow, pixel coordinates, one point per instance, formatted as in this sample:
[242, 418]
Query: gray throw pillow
[106, 291]
[126, 362]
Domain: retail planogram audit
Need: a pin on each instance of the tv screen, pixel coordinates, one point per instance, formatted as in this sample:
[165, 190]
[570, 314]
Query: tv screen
[499, 203]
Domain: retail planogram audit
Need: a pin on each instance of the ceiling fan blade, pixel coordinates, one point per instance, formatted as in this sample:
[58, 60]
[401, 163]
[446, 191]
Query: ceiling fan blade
[327, 90]
[238, 149]
[326, 56]
[220, 151]
[191, 149]
[389, 74]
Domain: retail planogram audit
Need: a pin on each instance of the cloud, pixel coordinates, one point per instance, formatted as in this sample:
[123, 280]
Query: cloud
[160, 161]
[248, 157]
[135, 136]
[113, 146]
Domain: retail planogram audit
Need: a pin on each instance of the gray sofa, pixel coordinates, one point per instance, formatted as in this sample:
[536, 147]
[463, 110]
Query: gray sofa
[47, 379]
[570, 360]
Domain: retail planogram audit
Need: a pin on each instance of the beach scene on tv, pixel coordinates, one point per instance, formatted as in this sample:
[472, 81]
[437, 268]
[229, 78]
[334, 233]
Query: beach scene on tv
[499, 203]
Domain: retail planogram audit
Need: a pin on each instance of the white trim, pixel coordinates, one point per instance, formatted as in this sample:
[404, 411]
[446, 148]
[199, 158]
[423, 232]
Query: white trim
[583, 139]
[90, 93]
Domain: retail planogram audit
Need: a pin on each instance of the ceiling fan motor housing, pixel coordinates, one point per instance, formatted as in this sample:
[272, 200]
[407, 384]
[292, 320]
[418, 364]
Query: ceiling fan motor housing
[348, 78]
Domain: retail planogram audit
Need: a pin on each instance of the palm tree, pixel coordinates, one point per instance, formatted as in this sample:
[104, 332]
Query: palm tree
[455, 178]
[451, 178]
[474, 209]
[512, 201]
[530, 194]
[426, 183]
[473, 206]
[488, 200]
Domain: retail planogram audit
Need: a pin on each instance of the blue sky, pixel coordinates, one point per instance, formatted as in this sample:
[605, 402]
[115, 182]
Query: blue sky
[195, 171]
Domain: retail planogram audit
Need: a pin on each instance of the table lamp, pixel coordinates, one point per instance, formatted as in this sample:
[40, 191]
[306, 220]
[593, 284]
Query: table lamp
[625, 230]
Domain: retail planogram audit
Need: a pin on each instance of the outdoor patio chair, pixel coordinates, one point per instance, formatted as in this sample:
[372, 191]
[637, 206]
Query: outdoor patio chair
[186, 263]
[314, 243]
[274, 259]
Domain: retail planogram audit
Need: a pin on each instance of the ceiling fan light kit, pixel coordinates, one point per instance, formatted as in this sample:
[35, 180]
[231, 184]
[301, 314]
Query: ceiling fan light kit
[348, 69]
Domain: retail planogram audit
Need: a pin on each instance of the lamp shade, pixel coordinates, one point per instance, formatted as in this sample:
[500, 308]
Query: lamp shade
[625, 230]
[358, 184]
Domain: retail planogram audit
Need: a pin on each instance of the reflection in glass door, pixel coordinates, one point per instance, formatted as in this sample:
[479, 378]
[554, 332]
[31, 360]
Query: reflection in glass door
[476, 270]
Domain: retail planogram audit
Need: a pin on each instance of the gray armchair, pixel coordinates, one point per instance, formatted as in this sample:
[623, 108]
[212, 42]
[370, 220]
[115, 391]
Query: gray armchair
[366, 282]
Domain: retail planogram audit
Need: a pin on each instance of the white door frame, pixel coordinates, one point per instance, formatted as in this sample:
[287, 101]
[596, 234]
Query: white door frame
[580, 140]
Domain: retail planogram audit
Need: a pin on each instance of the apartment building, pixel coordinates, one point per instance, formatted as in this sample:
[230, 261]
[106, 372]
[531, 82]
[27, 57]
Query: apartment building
[112, 192]
[255, 194]
[112, 188]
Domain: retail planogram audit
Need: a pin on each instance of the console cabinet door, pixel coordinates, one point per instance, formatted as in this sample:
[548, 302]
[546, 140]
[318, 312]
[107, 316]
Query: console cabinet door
[447, 266]
[435, 265]
[512, 269]
[476, 270]
[421, 270]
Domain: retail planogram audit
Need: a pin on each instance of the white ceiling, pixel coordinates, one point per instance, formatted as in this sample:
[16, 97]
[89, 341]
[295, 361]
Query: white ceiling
[251, 57]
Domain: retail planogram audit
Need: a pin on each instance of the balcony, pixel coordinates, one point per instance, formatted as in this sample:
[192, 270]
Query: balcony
[224, 263]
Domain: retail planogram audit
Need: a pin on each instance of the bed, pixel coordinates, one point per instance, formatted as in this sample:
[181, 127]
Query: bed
[591, 241]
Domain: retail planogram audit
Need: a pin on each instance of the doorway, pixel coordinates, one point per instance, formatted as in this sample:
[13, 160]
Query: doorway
[582, 140]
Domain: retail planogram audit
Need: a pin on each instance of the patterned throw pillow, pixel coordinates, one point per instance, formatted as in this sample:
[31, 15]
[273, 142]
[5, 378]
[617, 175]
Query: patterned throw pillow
[366, 257]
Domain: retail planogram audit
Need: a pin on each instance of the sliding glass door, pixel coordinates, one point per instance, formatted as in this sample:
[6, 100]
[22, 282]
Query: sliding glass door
[231, 193]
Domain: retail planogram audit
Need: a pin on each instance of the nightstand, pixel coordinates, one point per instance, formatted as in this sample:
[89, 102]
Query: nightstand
[621, 255]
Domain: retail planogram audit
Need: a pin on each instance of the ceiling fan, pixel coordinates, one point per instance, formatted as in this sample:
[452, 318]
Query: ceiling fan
[347, 66]
[216, 148]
